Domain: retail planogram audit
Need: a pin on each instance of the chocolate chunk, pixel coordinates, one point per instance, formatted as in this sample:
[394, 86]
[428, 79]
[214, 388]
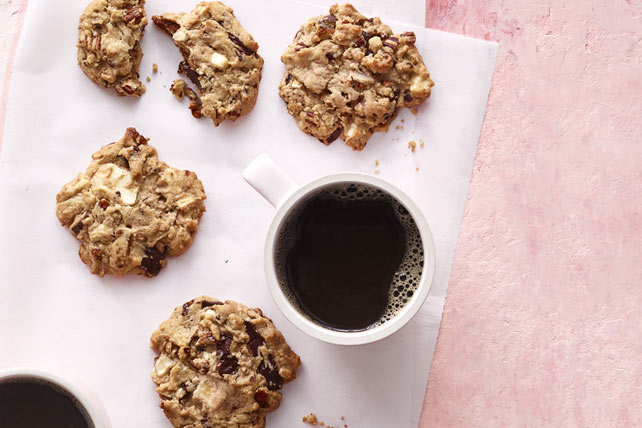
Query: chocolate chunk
[391, 42]
[406, 96]
[328, 22]
[256, 340]
[153, 262]
[260, 397]
[134, 14]
[411, 36]
[186, 306]
[240, 44]
[77, 228]
[359, 43]
[224, 344]
[184, 68]
[169, 26]
[228, 364]
[288, 79]
[103, 203]
[271, 374]
[207, 303]
[335, 134]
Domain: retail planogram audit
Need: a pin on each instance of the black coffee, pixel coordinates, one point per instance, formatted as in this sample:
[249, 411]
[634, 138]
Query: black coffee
[28, 403]
[349, 257]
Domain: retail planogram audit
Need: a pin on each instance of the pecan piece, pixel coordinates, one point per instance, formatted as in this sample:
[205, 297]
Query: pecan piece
[134, 14]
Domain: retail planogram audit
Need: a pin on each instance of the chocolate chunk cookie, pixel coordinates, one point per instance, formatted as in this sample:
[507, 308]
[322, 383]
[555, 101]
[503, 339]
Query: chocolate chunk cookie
[220, 59]
[129, 210]
[109, 51]
[346, 76]
[220, 365]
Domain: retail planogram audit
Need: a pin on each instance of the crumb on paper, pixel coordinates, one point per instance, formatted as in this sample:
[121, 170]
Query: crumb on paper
[376, 171]
[412, 145]
[149, 79]
[155, 67]
[417, 169]
[421, 143]
[402, 121]
[311, 419]
[376, 162]
[226, 261]
[413, 111]
[398, 127]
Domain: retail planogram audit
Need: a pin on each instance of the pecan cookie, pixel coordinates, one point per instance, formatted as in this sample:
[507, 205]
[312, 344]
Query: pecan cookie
[220, 365]
[220, 59]
[109, 50]
[129, 210]
[346, 76]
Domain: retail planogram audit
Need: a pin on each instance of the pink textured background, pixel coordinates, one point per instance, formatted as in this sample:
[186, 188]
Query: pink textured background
[543, 320]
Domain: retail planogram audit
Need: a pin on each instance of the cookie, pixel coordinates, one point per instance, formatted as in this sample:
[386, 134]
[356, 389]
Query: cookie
[346, 76]
[129, 210]
[109, 50]
[220, 365]
[220, 58]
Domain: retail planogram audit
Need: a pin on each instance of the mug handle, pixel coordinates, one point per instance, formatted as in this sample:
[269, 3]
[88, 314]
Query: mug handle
[269, 180]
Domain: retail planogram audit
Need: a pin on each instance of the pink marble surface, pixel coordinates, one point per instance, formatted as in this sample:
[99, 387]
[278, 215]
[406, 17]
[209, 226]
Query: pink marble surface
[542, 319]
[542, 325]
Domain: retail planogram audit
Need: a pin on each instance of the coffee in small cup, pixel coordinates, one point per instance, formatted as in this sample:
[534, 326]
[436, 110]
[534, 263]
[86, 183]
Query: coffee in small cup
[27, 402]
[349, 256]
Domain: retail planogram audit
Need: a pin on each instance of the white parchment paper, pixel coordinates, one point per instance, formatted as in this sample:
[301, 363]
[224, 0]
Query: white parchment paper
[54, 314]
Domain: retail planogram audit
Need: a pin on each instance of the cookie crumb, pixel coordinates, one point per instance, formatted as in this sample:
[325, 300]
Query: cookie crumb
[402, 121]
[412, 146]
[226, 261]
[413, 111]
[155, 67]
[149, 79]
[376, 162]
[399, 127]
[376, 171]
[311, 419]
[417, 169]
[421, 143]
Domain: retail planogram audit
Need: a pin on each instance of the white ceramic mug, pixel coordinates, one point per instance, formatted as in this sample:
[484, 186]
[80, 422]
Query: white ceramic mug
[279, 189]
[86, 398]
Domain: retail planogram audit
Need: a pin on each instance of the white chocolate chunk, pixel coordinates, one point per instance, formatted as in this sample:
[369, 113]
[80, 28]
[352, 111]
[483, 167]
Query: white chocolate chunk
[163, 365]
[352, 130]
[419, 84]
[111, 180]
[180, 35]
[185, 201]
[219, 61]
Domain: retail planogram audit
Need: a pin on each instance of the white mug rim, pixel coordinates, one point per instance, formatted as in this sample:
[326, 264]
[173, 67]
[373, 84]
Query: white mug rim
[349, 337]
[87, 399]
